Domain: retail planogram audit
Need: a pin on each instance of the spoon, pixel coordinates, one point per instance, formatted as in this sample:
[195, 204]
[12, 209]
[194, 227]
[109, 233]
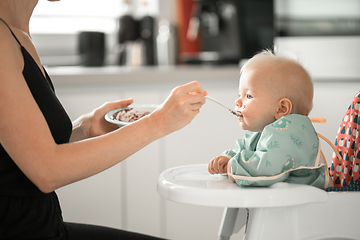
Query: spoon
[236, 113]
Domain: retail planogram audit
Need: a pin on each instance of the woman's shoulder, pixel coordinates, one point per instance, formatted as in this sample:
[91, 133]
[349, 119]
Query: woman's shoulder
[10, 52]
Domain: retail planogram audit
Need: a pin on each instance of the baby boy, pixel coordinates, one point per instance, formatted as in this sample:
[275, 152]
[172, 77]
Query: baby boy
[281, 144]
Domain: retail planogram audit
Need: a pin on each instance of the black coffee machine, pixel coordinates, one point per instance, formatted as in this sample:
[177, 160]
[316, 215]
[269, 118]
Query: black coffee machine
[230, 30]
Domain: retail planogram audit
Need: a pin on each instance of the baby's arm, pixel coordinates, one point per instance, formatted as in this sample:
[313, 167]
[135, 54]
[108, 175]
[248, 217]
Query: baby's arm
[218, 164]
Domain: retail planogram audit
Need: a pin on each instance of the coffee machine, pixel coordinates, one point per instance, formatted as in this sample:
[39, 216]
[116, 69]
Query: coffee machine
[229, 30]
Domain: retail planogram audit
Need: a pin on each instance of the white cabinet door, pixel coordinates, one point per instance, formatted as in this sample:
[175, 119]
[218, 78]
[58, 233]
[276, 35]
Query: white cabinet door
[213, 131]
[141, 170]
[123, 196]
[96, 200]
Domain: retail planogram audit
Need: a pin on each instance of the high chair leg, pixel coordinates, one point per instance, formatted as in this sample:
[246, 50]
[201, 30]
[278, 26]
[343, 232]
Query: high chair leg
[232, 221]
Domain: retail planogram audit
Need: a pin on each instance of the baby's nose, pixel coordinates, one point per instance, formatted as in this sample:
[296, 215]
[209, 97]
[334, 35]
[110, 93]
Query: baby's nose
[238, 102]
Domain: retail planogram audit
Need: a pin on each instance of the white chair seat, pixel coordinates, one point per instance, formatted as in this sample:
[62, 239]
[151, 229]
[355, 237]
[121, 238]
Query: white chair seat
[281, 211]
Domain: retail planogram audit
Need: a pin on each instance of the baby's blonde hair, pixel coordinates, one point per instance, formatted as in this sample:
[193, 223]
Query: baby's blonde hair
[292, 81]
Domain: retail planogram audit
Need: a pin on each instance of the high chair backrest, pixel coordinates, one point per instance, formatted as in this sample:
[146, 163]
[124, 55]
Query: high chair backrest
[347, 144]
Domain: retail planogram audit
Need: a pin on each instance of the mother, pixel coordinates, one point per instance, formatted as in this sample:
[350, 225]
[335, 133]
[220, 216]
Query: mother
[41, 150]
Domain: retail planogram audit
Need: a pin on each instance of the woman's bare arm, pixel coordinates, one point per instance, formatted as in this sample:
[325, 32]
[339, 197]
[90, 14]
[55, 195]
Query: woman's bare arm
[26, 137]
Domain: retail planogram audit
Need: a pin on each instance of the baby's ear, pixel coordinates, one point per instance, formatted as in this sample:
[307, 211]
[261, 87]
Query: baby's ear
[284, 108]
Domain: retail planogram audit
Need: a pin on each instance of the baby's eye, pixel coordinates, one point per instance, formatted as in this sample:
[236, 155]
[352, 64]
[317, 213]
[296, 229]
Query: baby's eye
[248, 96]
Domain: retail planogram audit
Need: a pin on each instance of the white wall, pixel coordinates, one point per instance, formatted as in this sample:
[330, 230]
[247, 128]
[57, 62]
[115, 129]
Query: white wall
[325, 57]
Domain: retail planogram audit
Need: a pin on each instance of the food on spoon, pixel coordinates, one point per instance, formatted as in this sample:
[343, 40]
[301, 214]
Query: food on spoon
[236, 113]
[129, 114]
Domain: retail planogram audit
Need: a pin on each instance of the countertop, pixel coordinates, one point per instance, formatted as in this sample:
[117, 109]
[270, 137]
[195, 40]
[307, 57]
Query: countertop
[115, 74]
[78, 75]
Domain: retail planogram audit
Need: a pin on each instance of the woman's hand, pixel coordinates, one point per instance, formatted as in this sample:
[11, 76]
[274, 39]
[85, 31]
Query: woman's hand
[94, 124]
[218, 165]
[180, 108]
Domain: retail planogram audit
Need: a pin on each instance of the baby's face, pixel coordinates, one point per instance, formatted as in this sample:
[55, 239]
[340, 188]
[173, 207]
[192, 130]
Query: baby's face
[257, 101]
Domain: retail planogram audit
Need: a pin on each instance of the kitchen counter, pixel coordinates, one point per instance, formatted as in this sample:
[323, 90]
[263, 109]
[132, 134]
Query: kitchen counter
[114, 74]
[78, 75]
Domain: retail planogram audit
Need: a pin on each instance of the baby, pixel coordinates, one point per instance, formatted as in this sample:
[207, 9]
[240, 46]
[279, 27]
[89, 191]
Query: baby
[280, 145]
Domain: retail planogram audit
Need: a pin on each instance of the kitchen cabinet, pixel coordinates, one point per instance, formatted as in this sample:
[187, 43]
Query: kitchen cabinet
[86, 201]
[125, 196]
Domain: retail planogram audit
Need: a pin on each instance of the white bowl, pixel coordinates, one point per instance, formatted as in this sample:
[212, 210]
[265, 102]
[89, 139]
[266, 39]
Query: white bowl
[139, 108]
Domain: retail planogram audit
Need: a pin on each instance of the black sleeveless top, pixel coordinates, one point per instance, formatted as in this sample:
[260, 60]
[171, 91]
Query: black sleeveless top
[25, 211]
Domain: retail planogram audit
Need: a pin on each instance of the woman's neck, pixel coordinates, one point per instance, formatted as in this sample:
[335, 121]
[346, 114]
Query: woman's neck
[17, 13]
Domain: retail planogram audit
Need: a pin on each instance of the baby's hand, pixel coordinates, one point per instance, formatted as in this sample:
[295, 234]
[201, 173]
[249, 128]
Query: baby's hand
[218, 165]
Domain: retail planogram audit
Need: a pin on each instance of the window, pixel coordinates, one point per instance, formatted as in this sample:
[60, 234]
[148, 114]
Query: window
[55, 25]
[72, 16]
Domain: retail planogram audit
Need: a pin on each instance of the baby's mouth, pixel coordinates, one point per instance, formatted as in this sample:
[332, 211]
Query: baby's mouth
[238, 113]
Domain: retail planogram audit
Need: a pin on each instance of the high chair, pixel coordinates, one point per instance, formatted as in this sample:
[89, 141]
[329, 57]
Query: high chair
[281, 211]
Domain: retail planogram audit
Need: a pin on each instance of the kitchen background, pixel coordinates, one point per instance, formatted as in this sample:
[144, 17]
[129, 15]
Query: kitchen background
[144, 48]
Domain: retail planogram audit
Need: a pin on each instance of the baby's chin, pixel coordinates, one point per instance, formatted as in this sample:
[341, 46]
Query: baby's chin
[251, 129]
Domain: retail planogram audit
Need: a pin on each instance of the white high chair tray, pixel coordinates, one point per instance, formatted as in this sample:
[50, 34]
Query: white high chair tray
[192, 184]
[282, 211]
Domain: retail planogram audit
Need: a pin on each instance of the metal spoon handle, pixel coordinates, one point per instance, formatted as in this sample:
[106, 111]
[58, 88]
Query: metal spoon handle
[216, 101]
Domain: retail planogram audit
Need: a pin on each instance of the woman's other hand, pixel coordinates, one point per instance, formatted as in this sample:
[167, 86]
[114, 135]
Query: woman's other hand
[94, 124]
